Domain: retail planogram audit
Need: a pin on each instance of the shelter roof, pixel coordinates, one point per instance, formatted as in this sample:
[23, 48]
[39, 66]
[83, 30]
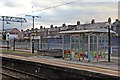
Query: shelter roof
[87, 31]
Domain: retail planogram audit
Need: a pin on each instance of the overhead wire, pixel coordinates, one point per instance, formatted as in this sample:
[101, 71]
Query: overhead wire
[50, 7]
[56, 6]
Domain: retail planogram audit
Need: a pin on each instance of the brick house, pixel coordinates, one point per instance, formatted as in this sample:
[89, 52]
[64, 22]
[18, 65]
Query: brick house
[13, 33]
[116, 27]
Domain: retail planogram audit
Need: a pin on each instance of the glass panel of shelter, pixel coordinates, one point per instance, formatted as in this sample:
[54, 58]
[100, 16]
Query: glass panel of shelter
[103, 46]
[83, 46]
[74, 46]
[93, 47]
[66, 46]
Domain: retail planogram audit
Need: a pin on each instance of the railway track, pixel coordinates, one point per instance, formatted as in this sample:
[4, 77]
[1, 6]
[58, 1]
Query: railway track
[8, 77]
[13, 74]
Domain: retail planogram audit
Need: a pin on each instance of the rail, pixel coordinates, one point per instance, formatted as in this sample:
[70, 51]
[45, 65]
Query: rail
[17, 74]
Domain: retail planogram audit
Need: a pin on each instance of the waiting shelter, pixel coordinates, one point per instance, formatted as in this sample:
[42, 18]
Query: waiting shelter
[89, 44]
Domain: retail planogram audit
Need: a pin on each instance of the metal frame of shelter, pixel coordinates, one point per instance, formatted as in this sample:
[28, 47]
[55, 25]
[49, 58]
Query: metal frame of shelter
[89, 44]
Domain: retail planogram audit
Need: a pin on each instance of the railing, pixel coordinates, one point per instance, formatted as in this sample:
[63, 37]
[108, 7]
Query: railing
[28, 45]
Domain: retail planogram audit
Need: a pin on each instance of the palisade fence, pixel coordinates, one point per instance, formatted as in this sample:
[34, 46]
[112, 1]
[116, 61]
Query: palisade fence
[27, 45]
[19, 44]
[115, 42]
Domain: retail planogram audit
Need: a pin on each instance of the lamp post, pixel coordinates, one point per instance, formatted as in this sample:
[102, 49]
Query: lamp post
[33, 36]
[3, 27]
[109, 45]
[33, 31]
[14, 44]
[3, 22]
[8, 41]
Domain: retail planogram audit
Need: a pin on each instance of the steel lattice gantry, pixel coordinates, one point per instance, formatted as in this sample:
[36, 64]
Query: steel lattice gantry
[12, 19]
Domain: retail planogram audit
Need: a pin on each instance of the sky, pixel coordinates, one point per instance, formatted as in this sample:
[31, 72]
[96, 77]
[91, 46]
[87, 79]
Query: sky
[81, 10]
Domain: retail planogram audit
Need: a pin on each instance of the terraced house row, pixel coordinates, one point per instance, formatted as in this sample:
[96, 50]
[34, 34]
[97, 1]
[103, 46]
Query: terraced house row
[53, 31]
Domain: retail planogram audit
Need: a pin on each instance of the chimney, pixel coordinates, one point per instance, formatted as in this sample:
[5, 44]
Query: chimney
[55, 26]
[41, 27]
[116, 20]
[31, 28]
[63, 25]
[78, 22]
[36, 28]
[51, 26]
[44, 27]
[21, 30]
[109, 20]
[93, 21]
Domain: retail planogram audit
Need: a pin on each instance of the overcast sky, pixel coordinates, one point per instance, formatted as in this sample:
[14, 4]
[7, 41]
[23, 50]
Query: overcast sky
[81, 10]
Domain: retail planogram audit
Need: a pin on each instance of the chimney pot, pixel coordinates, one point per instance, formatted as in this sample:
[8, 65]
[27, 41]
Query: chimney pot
[93, 21]
[41, 27]
[55, 26]
[116, 20]
[51, 26]
[78, 22]
[64, 25]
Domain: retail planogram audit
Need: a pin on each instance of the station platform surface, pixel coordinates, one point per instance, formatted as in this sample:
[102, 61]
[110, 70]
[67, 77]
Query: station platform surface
[103, 67]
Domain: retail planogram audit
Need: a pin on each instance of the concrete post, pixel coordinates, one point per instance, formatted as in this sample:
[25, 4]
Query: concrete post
[70, 46]
[97, 46]
[89, 47]
[63, 46]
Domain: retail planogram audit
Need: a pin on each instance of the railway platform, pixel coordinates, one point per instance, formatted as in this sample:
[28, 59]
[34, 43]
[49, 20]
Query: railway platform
[103, 67]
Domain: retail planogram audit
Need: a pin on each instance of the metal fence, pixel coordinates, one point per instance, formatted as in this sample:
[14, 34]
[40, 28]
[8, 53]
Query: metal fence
[28, 45]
